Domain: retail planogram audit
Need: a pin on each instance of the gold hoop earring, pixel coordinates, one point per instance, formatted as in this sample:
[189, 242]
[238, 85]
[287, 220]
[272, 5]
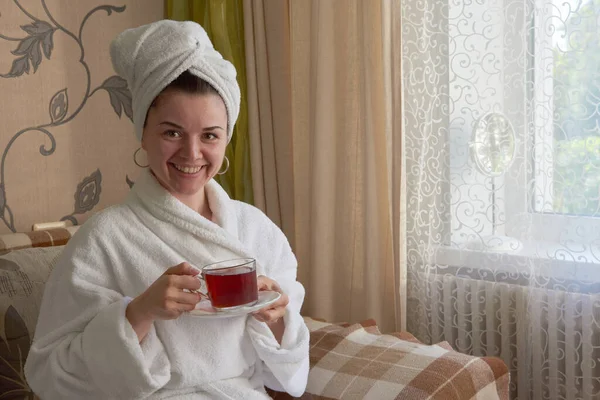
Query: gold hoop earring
[136, 161]
[226, 168]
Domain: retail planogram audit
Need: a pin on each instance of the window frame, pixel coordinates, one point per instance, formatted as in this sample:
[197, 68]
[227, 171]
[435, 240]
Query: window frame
[537, 168]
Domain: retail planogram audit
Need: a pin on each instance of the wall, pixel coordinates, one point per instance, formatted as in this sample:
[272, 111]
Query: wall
[66, 138]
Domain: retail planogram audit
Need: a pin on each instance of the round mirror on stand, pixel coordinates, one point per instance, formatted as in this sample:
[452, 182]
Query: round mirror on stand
[493, 149]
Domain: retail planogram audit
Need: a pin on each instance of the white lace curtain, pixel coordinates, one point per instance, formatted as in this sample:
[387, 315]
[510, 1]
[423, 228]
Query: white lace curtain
[501, 116]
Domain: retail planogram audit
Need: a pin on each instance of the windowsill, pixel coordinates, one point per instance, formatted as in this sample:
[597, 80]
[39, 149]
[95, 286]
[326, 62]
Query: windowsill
[542, 259]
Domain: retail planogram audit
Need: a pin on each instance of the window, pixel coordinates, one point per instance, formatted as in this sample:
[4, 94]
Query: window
[569, 178]
[563, 198]
[536, 62]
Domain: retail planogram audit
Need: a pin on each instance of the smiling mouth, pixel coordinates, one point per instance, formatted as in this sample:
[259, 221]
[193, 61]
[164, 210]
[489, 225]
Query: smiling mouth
[187, 170]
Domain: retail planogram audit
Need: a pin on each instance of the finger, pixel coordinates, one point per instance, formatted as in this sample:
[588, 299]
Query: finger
[182, 269]
[186, 307]
[278, 308]
[262, 282]
[174, 309]
[273, 307]
[258, 317]
[271, 315]
[282, 302]
[275, 287]
[170, 306]
[183, 282]
[182, 297]
[171, 315]
[265, 283]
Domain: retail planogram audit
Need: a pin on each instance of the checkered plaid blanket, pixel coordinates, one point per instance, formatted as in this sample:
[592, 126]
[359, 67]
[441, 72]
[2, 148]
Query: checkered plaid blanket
[358, 362]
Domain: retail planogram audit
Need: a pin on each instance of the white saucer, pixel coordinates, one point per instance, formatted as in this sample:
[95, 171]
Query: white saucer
[205, 310]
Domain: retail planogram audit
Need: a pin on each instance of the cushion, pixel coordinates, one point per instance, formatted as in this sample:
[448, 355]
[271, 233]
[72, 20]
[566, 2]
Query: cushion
[356, 361]
[46, 238]
[23, 274]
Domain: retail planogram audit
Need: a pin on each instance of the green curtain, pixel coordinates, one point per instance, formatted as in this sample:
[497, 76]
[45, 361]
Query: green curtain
[223, 20]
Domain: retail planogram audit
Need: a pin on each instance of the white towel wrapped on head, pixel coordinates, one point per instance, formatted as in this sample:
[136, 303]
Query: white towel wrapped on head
[152, 56]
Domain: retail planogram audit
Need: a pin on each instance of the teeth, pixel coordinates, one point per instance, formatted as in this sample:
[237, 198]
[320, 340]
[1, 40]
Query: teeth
[187, 170]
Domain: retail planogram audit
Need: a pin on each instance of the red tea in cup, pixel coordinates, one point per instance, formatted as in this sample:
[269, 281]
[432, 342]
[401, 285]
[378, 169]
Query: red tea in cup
[231, 284]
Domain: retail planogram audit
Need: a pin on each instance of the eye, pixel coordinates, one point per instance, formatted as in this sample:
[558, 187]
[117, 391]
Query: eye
[171, 134]
[210, 136]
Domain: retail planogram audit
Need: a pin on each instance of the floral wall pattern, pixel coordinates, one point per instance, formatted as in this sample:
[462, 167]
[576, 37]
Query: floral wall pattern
[66, 137]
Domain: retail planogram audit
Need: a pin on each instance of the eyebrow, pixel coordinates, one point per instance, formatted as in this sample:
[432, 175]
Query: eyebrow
[173, 124]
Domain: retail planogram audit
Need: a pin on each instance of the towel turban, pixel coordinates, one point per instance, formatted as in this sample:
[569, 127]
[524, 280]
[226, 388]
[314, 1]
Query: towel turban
[152, 56]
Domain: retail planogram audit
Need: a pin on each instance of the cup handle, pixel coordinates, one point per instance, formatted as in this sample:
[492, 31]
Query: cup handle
[201, 292]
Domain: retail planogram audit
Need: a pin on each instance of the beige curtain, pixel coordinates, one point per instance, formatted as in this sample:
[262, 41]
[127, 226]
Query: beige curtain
[325, 135]
[268, 65]
[392, 39]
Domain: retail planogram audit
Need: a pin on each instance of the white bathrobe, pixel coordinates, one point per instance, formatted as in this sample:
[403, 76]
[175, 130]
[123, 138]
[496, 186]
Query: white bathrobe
[84, 347]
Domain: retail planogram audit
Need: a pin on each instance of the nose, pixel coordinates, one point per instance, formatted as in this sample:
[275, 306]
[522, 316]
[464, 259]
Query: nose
[191, 148]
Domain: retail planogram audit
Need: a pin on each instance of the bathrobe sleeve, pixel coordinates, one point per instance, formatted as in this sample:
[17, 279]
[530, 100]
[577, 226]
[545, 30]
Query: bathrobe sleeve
[285, 365]
[84, 347]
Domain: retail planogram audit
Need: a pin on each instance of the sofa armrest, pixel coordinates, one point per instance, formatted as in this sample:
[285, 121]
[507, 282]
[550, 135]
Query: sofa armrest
[355, 361]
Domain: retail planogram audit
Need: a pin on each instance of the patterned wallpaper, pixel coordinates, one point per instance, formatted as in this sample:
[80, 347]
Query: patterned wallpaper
[66, 136]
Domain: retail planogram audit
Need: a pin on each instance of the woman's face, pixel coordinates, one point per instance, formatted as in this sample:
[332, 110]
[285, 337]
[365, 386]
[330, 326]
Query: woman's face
[185, 137]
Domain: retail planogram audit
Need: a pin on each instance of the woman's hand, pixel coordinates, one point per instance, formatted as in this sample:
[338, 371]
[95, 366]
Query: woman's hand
[164, 299]
[273, 314]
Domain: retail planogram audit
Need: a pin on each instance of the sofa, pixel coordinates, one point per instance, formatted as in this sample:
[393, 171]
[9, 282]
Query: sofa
[348, 360]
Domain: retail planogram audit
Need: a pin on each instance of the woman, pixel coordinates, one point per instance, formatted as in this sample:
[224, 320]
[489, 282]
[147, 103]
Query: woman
[114, 322]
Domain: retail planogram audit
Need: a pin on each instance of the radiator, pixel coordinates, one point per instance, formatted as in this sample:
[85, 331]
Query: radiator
[549, 339]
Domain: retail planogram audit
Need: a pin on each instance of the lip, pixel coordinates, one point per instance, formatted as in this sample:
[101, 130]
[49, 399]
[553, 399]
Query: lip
[184, 174]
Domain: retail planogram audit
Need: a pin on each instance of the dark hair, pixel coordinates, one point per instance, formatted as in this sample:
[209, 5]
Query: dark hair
[190, 83]
[187, 83]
